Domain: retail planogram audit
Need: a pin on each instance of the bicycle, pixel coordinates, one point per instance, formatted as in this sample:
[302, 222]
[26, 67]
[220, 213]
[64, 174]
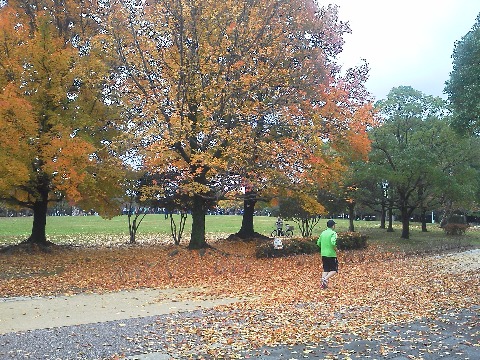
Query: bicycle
[279, 231]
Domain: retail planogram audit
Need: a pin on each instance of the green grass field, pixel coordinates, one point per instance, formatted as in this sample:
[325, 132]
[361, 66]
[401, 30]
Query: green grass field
[93, 230]
[74, 225]
[65, 229]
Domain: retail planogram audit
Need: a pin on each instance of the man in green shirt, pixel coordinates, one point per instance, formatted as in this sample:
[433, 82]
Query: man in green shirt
[327, 242]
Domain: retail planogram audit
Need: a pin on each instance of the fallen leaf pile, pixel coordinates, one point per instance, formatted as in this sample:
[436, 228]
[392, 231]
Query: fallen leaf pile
[280, 300]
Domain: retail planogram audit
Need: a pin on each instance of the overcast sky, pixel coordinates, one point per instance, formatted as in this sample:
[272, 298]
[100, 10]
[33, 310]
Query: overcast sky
[408, 42]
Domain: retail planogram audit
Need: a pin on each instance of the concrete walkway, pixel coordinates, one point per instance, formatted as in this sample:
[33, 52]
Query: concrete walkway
[33, 313]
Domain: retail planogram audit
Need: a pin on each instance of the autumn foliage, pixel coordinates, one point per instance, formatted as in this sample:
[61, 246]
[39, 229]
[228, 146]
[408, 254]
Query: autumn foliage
[236, 92]
[215, 96]
[55, 142]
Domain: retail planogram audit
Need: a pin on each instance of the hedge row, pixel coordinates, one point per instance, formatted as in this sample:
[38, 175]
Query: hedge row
[345, 241]
[455, 229]
[351, 240]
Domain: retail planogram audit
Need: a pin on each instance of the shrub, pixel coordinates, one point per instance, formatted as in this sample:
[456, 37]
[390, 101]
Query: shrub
[290, 247]
[455, 229]
[457, 219]
[351, 241]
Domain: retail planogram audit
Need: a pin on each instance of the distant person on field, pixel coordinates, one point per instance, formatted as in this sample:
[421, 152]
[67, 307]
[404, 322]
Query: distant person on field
[327, 242]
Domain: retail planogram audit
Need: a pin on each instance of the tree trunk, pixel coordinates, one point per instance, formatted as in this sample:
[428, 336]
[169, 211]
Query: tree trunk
[177, 232]
[197, 240]
[405, 223]
[383, 215]
[247, 231]
[40, 207]
[132, 228]
[351, 214]
[135, 218]
[424, 220]
[447, 212]
[390, 217]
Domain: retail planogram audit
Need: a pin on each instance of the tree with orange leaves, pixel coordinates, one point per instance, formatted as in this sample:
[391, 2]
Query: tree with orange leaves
[342, 112]
[56, 139]
[230, 90]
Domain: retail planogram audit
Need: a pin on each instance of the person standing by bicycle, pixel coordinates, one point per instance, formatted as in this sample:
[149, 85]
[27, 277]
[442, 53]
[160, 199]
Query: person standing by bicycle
[279, 225]
[327, 242]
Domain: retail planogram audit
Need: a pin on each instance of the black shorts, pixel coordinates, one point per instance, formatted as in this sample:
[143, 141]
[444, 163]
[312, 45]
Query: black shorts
[330, 264]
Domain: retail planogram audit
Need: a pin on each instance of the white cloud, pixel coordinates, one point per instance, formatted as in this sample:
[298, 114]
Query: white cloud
[406, 43]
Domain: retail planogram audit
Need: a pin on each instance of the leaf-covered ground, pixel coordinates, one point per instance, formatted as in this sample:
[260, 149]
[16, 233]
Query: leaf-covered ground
[281, 298]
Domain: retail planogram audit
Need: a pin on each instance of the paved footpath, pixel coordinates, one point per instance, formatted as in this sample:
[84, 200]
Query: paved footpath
[32, 313]
[134, 324]
[453, 336]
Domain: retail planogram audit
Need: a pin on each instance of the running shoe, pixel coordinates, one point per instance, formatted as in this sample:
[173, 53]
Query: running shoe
[324, 284]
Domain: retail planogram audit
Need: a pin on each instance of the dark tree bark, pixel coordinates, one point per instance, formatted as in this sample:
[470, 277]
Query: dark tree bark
[406, 213]
[351, 213]
[197, 239]
[405, 224]
[40, 207]
[383, 215]
[247, 231]
[424, 220]
[390, 217]
[177, 231]
[135, 218]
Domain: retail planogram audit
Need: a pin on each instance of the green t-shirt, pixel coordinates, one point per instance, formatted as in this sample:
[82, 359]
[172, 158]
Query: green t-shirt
[327, 242]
